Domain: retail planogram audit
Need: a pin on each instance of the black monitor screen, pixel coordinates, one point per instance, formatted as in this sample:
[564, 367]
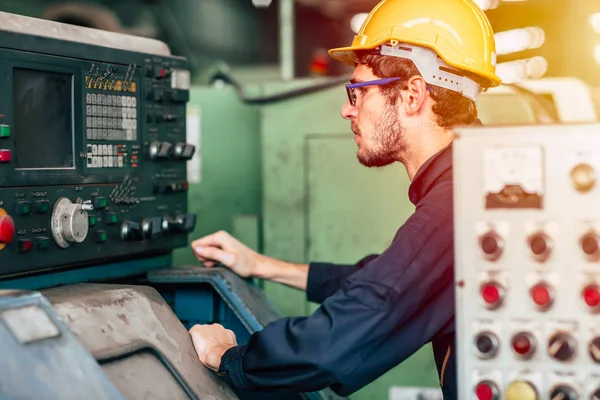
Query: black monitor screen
[43, 119]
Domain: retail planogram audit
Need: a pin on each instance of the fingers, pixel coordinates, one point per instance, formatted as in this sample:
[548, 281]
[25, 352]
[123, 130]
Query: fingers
[206, 262]
[218, 239]
[216, 254]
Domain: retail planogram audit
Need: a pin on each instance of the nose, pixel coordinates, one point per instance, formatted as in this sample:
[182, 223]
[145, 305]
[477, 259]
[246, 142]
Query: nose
[348, 111]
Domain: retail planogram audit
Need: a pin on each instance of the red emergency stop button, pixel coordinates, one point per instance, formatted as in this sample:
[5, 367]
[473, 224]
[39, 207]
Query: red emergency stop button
[487, 390]
[7, 229]
[542, 297]
[492, 294]
[5, 155]
[591, 296]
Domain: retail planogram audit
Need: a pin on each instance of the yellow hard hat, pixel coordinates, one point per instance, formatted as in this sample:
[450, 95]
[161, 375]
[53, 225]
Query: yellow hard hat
[457, 30]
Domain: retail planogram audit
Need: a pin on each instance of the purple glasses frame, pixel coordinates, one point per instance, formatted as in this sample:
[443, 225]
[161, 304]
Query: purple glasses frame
[351, 86]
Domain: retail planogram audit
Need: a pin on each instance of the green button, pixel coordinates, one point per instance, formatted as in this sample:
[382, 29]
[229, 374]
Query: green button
[111, 218]
[4, 131]
[43, 243]
[100, 203]
[42, 206]
[23, 208]
[101, 237]
[93, 220]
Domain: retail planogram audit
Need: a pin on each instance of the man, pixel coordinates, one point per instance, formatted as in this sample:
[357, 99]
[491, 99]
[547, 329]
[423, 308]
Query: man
[419, 65]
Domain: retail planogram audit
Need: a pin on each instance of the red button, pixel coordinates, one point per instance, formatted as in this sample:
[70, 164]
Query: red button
[24, 245]
[591, 296]
[486, 391]
[492, 294]
[7, 229]
[522, 344]
[541, 295]
[5, 155]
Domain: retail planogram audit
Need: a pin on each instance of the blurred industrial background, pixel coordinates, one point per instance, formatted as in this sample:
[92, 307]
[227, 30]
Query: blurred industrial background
[243, 35]
[276, 164]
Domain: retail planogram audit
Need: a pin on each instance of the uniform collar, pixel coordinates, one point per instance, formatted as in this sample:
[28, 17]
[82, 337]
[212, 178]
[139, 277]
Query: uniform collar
[431, 170]
[429, 173]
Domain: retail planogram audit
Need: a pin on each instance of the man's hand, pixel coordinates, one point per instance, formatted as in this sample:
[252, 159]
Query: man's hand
[227, 250]
[211, 342]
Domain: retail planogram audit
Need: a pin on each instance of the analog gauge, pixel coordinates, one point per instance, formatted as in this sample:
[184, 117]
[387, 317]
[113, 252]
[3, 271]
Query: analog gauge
[513, 177]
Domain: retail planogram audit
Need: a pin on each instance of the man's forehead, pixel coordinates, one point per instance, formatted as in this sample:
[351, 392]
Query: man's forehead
[362, 73]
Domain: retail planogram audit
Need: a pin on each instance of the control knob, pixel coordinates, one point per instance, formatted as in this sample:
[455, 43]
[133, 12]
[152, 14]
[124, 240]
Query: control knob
[70, 222]
[131, 231]
[168, 117]
[160, 150]
[594, 350]
[152, 227]
[184, 151]
[563, 392]
[182, 223]
[561, 346]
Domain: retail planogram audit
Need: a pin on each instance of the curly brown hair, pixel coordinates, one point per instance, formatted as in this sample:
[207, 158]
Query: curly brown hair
[450, 108]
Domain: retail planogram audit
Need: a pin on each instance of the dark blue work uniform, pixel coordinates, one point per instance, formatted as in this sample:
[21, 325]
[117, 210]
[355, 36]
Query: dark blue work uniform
[374, 315]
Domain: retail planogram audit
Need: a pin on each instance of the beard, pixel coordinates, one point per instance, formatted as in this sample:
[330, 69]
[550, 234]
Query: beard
[386, 142]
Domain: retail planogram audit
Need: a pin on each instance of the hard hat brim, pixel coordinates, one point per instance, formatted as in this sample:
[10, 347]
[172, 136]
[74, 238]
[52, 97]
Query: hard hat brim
[347, 56]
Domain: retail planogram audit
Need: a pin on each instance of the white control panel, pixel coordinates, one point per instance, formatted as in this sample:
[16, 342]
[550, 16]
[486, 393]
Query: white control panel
[527, 274]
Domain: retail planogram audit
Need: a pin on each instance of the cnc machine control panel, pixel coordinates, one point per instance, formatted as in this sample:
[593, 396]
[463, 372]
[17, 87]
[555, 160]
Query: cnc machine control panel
[93, 148]
[527, 242]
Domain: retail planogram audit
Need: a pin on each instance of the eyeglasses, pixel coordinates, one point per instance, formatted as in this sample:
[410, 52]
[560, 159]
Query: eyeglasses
[351, 86]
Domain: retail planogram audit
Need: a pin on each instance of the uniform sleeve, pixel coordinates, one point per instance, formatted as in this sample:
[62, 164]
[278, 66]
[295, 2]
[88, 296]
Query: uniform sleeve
[324, 279]
[384, 313]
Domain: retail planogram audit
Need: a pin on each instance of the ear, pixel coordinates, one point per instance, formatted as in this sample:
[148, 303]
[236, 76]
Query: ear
[416, 94]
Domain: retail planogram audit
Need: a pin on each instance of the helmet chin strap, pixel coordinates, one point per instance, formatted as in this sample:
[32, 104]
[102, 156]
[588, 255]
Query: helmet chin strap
[433, 69]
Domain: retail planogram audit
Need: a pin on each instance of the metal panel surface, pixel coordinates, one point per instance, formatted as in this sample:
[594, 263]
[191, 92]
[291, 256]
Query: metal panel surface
[41, 358]
[123, 326]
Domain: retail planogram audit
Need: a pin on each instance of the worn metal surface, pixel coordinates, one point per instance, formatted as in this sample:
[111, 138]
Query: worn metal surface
[116, 320]
[72, 33]
[41, 359]
[248, 302]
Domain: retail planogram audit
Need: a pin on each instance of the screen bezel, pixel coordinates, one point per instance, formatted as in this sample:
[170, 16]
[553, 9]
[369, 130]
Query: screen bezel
[72, 122]
[13, 59]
